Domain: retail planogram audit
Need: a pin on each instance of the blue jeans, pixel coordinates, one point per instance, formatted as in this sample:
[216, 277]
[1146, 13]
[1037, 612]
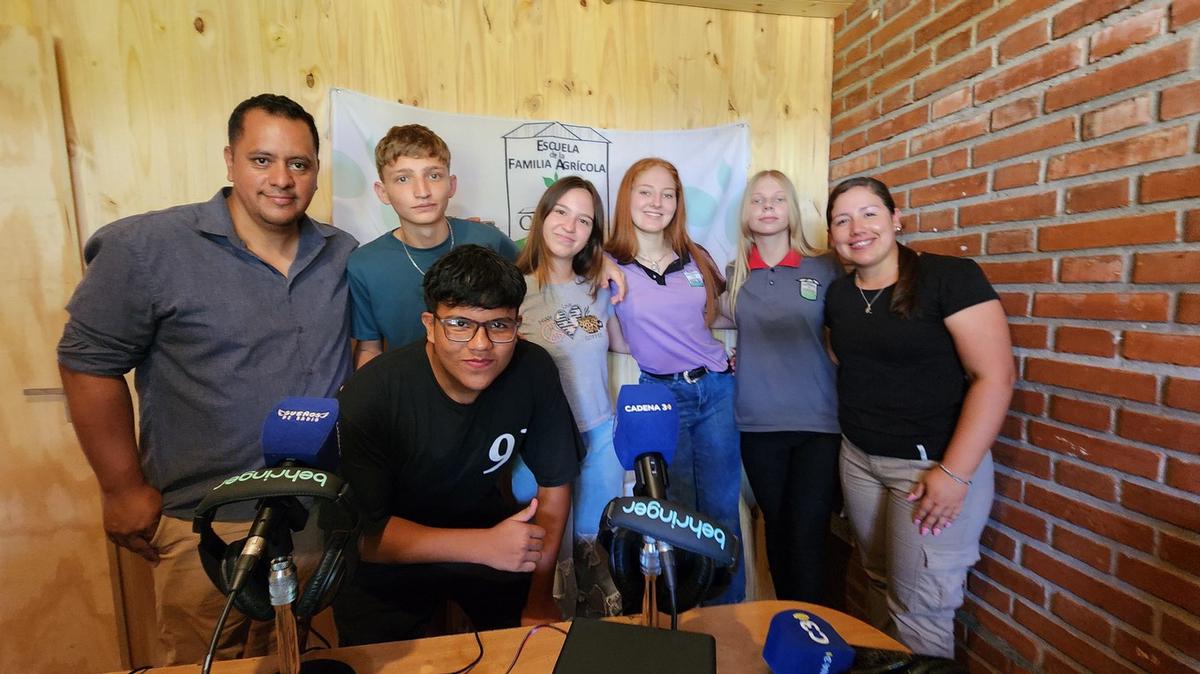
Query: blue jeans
[601, 479]
[706, 473]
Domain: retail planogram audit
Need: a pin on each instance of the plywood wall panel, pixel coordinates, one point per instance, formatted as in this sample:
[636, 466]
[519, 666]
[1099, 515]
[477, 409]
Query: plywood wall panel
[150, 83]
[814, 8]
[147, 86]
[58, 613]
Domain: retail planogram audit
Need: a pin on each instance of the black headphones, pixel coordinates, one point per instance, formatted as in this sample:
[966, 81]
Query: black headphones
[337, 519]
[700, 578]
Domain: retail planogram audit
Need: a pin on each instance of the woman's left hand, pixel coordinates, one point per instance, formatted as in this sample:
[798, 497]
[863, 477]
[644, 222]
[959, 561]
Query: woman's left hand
[939, 500]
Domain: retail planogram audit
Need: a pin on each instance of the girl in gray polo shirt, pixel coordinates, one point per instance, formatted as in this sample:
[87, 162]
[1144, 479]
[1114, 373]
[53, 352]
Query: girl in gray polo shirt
[786, 398]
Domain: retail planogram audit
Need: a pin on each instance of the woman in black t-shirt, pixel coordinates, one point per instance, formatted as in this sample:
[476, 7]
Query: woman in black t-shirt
[924, 381]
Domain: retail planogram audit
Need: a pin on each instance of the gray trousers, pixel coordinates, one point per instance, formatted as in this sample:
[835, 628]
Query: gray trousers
[916, 582]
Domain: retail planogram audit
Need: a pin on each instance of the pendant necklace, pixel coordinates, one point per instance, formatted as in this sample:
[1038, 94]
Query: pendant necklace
[414, 262]
[653, 264]
[873, 298]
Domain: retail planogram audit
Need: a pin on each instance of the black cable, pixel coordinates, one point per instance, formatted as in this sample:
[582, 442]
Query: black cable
[528, 634]
[320, 636]
[667, 559]
[674, 610]
[311, 631]
[212, 645]
[139, 670]
[474, 662]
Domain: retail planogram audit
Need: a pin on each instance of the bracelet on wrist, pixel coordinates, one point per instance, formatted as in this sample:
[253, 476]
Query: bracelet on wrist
[965, 483]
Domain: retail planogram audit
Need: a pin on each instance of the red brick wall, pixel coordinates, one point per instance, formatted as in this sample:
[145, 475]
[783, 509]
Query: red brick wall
[1056, 143]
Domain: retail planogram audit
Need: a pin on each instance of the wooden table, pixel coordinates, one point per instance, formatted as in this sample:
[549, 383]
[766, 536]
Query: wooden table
[740, 630]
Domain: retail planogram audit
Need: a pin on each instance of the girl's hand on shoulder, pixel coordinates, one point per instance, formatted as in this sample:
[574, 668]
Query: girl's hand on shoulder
[611, 273]
[939, 500]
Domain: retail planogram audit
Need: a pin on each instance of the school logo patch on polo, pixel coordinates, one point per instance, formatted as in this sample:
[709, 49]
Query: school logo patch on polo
[808, 288]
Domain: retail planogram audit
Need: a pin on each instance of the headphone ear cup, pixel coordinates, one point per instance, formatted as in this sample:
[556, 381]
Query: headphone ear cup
[323, 585]
[254, 600]
[212, 557]
[722, 578]
[624, 567]
[604, 538]
[695, 574]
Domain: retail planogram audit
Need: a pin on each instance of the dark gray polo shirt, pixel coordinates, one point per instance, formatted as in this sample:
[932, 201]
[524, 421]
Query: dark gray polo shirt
[785, 380]
[216, 337]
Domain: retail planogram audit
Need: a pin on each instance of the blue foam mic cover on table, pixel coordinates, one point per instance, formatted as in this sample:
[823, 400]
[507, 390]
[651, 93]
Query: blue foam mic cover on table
[799, 642]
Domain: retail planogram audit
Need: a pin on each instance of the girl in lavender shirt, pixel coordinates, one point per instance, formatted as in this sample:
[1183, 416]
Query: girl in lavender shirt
[670, 306]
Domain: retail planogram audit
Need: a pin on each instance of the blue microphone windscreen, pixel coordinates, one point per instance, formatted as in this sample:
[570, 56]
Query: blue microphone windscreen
[799, 642]
[302, 429]
[647, 421]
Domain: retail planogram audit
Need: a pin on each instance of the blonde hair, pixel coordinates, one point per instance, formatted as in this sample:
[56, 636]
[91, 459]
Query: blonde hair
[803, 217]
[410, 140]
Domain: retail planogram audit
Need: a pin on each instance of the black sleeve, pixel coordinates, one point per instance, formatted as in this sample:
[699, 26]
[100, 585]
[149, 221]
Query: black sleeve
[552, 447]
[365, 460]
[962, 284]
[833, 267]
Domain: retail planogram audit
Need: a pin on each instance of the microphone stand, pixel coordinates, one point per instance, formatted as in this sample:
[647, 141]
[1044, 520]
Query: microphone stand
[282, 586]
[650, 570]
[650, 472]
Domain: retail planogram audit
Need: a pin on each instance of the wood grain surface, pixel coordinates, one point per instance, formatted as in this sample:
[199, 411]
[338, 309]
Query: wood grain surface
[740, 631]
[59, 612]
[145, 90]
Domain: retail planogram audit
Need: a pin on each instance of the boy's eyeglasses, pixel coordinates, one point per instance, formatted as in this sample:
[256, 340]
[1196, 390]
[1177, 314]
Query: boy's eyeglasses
[459, 329]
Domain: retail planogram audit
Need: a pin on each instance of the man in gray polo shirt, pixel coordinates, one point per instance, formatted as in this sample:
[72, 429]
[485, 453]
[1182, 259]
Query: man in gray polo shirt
[221, 308]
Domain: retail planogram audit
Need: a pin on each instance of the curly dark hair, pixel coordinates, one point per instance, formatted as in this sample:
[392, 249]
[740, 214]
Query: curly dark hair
[474, 276]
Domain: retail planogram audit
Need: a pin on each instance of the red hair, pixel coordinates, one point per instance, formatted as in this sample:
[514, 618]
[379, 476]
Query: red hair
[623, 244]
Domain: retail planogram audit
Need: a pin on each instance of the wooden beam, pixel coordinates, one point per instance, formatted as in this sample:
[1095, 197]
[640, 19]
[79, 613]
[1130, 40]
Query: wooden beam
[817, 9]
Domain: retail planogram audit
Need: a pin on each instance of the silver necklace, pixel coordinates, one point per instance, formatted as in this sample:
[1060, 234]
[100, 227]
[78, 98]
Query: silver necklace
[409, 254]
[870, 301]
[653, 265]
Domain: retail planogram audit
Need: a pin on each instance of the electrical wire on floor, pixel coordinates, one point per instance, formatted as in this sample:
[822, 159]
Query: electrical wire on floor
[140, 670]
[533, 630]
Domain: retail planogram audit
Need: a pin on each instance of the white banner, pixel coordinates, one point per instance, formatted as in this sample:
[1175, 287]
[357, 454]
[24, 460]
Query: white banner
[504, 165]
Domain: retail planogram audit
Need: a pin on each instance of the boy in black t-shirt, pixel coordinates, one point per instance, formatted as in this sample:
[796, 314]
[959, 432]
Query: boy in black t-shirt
[427, 431]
